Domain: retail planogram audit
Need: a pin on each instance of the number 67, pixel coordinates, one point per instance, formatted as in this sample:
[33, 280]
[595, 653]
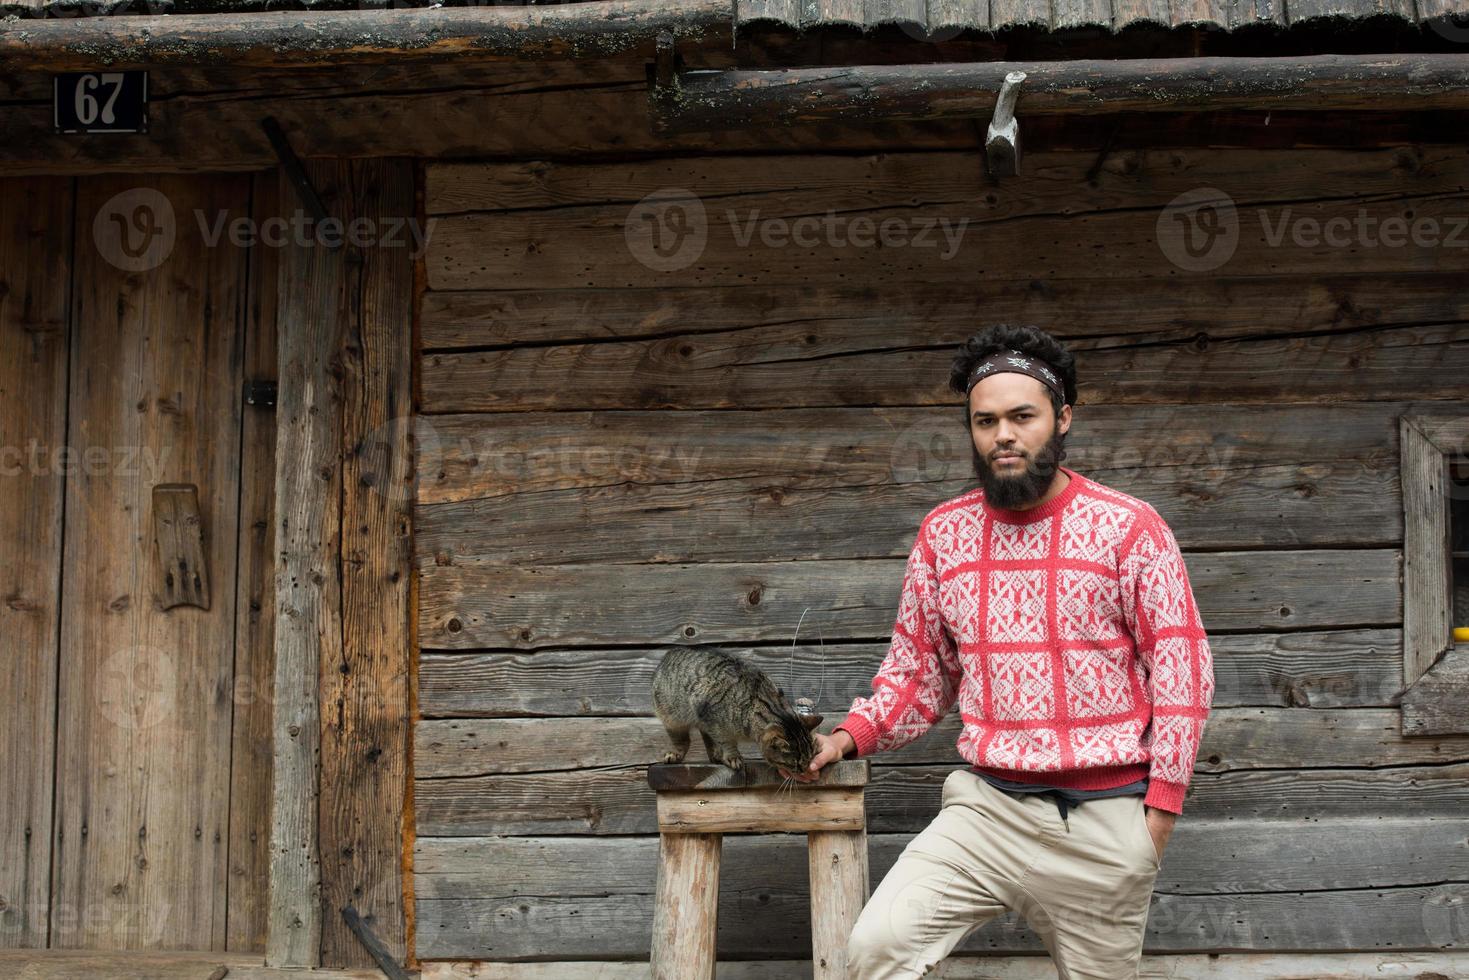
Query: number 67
[86, 102]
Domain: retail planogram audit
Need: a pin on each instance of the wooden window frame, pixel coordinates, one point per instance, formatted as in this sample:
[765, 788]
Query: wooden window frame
[1435, 669]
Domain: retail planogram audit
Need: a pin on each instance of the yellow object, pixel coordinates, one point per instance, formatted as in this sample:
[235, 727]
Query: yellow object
[1461, 634]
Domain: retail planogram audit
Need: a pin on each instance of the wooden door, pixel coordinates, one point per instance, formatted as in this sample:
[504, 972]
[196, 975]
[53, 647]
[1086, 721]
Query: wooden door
[152, 711]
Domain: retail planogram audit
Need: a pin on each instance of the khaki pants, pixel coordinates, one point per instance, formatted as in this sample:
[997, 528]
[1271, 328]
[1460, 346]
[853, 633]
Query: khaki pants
[1084, 889]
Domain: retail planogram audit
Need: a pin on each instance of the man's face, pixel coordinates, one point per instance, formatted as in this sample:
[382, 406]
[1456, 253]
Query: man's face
[1017, 438]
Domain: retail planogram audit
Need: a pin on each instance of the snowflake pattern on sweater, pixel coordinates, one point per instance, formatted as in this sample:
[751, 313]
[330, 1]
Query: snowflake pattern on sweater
[1067, 634]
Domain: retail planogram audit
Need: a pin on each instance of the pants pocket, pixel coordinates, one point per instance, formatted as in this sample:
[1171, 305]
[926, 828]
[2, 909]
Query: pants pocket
[950, 784]
[963, 786]
[1151, 849]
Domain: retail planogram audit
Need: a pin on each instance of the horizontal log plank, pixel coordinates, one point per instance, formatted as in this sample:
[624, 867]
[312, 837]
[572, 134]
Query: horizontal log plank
[1317, 669]
[733, 370]
[885, 247]
[1155, 966]
[704, 100]
[1234, 738]
[1202, 857]
[1417, 917]
[488, 605]
[901, 798]
[278, 38]
[764, 811]
[780, 518]
[847, 318]
[69, 964]
[816, 183]
[475, 456]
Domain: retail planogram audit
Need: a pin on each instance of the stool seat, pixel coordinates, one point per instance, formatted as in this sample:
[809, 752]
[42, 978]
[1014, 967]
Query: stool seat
[697, 804]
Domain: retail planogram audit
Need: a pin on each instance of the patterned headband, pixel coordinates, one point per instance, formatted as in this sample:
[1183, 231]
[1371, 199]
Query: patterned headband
[1014, 360]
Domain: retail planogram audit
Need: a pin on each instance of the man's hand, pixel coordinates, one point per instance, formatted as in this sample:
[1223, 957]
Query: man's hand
[1160, 826]
[829, 748]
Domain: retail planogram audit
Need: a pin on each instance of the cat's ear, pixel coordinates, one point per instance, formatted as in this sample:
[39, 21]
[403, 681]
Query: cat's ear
[810, 721]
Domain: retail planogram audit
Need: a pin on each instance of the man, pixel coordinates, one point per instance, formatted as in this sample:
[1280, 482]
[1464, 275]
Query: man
[1057, 613]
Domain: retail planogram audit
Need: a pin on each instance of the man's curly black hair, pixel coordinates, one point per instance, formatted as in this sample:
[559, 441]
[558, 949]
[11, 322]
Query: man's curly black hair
[1028, 340]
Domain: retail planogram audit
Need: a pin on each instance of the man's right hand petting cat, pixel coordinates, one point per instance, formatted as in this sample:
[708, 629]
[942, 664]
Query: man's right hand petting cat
[829, 748]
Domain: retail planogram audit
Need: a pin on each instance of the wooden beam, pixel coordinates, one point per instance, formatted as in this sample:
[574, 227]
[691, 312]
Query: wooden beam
[1306, 853]
[476, 604]
[762, 924]
[344, 496]
[1235, 738]
[616, 800]
[701, 101]
[1319, 669]
[468, 888]
[308, 591]
[364, 681]
[1435, 669]
[840, 887]
[761, 811]
[291, 38]
[685, 908]
[67, 964]
[1427, 619]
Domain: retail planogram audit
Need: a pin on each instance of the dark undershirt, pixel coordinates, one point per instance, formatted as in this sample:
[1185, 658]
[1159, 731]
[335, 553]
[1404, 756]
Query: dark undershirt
[1064, 796]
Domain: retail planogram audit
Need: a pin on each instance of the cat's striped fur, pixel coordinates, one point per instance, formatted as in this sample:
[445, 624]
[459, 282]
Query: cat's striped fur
[729, 701]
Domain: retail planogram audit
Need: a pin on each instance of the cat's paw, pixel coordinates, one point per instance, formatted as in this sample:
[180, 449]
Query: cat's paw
[673, 757]
[734, 762]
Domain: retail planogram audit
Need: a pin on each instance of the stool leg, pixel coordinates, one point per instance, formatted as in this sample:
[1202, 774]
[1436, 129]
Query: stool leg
[838, 893]
[686, 907]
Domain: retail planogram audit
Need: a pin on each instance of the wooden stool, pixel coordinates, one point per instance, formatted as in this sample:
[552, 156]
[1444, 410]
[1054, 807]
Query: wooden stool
[698, 804]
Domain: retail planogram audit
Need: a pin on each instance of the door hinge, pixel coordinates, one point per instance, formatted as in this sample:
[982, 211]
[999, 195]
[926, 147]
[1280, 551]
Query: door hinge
[261, 393]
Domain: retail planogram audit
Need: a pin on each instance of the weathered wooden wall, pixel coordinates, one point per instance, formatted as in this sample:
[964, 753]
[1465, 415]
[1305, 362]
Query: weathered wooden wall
[619, 454]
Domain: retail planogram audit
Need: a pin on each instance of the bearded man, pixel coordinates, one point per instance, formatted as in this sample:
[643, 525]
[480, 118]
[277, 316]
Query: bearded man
[1057, 613]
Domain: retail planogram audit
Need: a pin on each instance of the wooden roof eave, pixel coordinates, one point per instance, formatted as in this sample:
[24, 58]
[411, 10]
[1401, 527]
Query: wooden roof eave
[293, 38]
[702, 101]
[919, 19]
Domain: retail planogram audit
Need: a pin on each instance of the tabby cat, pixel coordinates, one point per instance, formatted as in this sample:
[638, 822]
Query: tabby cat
[729, 701]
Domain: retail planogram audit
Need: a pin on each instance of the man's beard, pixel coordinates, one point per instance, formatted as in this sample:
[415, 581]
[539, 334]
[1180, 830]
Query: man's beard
[1017, 491]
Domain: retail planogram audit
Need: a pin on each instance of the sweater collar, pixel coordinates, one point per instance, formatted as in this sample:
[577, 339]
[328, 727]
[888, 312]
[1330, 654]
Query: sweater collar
[1040, 513]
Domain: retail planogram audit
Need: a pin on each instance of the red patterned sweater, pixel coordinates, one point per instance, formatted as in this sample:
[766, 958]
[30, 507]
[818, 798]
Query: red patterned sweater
[1063, 632]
